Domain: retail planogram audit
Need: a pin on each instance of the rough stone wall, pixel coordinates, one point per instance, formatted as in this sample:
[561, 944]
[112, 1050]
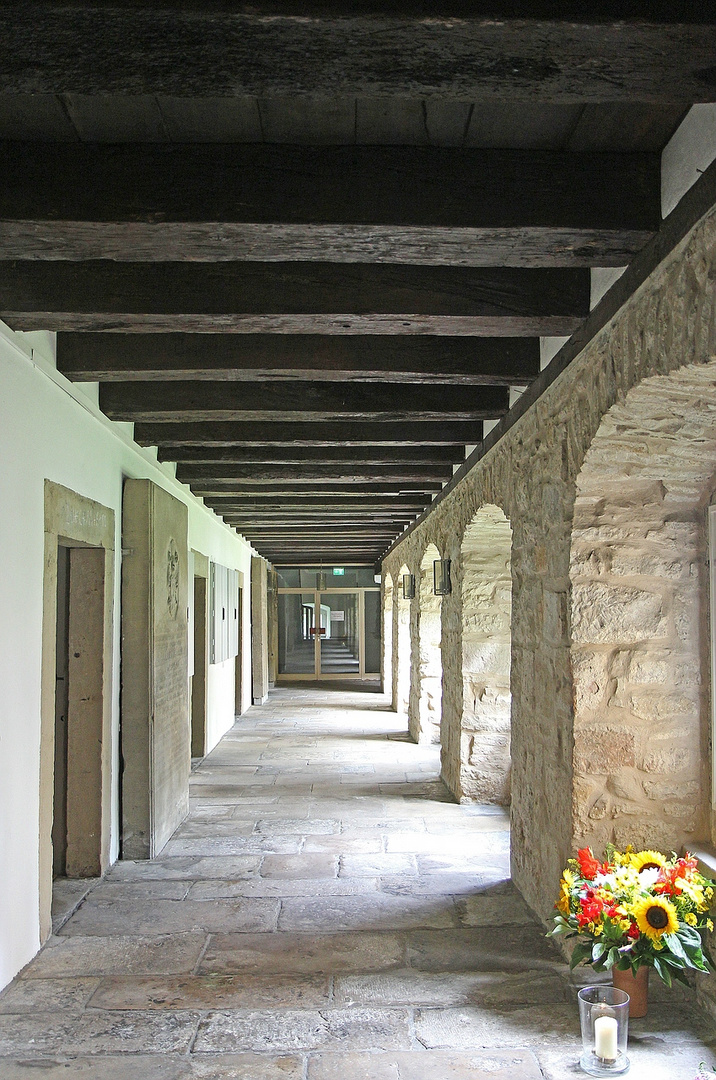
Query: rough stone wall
[402, 646]
[386, 660]
[640, 654]
[486, 658]
[531, 475]
[427, 676]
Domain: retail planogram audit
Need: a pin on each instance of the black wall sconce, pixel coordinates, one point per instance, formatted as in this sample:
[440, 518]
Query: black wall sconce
[441, 577]
[408, 586]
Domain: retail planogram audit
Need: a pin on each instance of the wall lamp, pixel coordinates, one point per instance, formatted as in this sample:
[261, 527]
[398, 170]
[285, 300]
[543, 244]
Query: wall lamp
[408, 586]
[441, 577]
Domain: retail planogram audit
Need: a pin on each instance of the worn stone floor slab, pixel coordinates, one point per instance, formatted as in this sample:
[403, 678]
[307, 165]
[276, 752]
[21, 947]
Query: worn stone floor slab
[211, 992]
[479, 1065]
[157, 1067]
[325, 912]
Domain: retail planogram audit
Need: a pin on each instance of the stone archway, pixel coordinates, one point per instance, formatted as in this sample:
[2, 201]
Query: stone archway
[426, 708]
[401, 647]
[486, 657]
[640, 642]
[387, 650]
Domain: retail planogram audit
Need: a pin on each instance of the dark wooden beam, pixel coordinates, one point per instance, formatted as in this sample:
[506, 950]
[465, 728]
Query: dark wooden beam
[365, 455]
[313, 502]
[496, 52]
[309, 473]
[292, 298]
[175, 436]
[299, 401]
[258, 357]
[407, 204]
[327, 489]
[226, 472]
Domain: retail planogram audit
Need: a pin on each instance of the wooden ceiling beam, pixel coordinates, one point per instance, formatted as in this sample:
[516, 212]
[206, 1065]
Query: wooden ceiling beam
[313, 298]
[310, 474]
[431, 205]
[326, 489]
[226, 434]
[192, 401]
[313, 501]
[258, 357]
[364, 455]
[543, 52]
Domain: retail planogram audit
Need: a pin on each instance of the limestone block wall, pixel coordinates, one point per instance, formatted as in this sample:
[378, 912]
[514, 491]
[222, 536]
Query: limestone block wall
[403, 636]
[486, 658]
[640, 652]
[531, 475]
[386, 660]
[426, 679]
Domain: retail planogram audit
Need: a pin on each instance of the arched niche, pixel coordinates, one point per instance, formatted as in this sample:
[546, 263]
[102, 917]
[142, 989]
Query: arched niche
[427, 707]
[639, 616]
[486, 657]
[401, 648]
[387, 633]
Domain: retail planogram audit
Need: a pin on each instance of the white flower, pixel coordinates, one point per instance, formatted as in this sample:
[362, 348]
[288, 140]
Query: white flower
[648, 877]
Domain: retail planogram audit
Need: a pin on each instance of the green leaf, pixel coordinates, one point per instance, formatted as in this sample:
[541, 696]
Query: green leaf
[688, 934]
[612, 958]
[672, 942]
[598, 949]
[662, 970]
[581, 953]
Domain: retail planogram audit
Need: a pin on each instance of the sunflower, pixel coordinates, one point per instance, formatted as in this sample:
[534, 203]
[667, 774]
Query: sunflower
[655, 917]
[647, 860]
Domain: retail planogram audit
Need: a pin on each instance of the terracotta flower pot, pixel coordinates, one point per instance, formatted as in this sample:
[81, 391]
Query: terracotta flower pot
[636, 986]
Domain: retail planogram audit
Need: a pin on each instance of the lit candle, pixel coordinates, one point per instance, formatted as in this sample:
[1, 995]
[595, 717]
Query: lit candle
[605, 1038]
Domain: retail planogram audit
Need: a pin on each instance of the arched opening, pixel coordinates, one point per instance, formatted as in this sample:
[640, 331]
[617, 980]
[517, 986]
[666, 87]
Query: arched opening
[486, 657]
[639, 607]
[387, 634]
[401, 652]
[425, 716]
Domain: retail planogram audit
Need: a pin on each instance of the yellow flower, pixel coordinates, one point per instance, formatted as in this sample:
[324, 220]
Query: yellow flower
[709, 894]
[563, 902]
[655, 916]
[690, 918]
[709, 925]
[647, 860]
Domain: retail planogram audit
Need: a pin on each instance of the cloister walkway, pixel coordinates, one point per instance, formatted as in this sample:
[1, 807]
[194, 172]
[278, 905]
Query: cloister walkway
[326, 912]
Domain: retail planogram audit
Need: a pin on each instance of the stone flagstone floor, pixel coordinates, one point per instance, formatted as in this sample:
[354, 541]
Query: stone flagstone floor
[324, 913]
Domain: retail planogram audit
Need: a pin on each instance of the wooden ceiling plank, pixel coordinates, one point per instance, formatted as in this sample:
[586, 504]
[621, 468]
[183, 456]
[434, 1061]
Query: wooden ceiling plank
[211, 203]
[299, 401]
[292, 298]
[227, 434]
[257, 357]
[367, 455]
[517, 51]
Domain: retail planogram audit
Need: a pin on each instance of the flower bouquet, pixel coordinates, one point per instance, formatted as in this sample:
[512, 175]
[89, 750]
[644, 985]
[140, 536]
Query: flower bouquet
[636, 909]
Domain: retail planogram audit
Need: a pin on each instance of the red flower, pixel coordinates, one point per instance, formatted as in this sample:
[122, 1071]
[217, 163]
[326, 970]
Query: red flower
[633, 932]
[589, 867]
[666, 881]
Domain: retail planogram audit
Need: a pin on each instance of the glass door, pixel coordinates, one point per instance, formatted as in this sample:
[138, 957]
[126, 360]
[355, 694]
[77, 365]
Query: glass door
[297, 633]
[328, 633]
[340, 638]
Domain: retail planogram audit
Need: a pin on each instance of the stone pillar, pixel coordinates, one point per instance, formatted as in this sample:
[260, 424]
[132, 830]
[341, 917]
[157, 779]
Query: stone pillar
[259, 631]
[156, 747]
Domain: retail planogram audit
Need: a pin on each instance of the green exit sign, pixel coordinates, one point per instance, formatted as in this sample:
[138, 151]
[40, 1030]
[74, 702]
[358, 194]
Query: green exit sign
[339, 571]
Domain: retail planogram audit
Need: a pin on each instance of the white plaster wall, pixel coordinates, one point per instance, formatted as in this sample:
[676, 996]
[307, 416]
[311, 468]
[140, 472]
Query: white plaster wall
[688, 153]
[50, 430]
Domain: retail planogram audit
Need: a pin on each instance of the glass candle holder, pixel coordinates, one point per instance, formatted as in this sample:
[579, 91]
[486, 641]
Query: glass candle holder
[604, 1017]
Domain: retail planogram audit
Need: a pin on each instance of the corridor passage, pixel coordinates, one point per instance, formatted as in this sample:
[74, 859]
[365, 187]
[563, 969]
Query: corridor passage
[325, 913]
